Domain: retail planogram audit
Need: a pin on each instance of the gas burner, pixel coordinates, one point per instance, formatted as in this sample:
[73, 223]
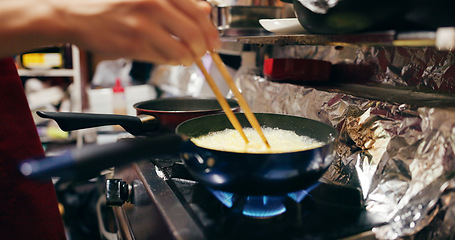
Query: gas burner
[178, 207]
[261, 207]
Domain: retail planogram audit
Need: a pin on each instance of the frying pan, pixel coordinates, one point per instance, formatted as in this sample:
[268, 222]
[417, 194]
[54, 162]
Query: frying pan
[243, 173]
[349, 16]
[158, 114]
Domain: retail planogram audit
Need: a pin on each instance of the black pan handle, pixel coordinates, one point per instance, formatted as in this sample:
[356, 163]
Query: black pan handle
[90, 160]
[69, 121]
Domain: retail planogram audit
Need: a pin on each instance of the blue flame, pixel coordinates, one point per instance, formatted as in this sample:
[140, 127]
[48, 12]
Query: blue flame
[224, 197]
[255, 206]
[300, 195]
[262, 206]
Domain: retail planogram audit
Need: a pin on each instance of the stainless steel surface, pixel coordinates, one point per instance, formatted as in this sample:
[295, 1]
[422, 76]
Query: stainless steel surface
[145, 219]
[123, 226]
[230, 46]
[372, 38]
[442, 39]
[181, 225]
[243, 20]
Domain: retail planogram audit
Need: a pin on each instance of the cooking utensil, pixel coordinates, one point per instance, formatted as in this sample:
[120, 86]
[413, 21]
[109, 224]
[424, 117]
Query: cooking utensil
[244, 173]
[242, 20]
[164, 114]
[348, 16]
[242, 102]
[222, 101]
[258, 173]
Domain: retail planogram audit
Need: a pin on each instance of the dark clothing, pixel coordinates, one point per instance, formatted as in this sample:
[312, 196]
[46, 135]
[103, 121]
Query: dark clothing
[29, 209]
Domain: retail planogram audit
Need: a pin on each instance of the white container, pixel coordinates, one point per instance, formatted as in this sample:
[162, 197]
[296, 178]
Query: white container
[138, 93]
[101, 101]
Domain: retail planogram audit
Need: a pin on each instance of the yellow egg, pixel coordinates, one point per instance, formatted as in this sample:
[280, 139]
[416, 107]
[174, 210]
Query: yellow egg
[280, 141]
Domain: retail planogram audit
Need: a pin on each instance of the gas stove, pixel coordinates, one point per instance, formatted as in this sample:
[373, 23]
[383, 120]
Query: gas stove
[163, 201]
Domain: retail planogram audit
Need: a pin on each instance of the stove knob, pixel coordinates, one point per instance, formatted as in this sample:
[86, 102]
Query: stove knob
[117, 192]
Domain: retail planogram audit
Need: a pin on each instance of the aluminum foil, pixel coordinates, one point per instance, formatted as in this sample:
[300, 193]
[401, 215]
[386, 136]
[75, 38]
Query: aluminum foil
[423, 68]
[400, 158]
[401, 155]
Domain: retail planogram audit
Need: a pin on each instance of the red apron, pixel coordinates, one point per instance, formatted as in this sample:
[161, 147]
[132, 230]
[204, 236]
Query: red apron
[28, 209]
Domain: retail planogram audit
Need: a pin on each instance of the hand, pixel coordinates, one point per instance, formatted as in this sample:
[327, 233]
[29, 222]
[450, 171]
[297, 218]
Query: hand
[159, 31]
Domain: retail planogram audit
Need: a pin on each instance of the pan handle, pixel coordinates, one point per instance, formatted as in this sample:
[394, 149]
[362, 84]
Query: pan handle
[69, 121]
[89, 161]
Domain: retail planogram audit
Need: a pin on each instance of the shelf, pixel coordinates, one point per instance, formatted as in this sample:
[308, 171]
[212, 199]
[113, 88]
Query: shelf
[75, 73]
[46, 72]
[397, 95]
[443, 39]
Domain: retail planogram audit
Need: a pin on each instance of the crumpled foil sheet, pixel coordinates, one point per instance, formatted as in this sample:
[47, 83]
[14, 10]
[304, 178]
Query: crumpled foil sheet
[400, 158]
[424, 68]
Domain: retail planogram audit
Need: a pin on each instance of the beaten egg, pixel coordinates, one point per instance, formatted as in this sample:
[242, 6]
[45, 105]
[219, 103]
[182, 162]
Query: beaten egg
[280, 141]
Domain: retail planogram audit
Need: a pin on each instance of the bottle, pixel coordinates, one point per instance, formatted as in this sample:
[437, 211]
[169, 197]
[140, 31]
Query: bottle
[119, 100]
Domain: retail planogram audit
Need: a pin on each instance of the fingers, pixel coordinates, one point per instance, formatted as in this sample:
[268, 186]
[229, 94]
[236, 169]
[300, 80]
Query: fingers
[170, 49]
[199, 11]
[196, 29]
[161, 31]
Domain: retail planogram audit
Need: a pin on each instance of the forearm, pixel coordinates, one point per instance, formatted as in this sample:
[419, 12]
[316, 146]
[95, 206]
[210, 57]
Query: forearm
[27, 24]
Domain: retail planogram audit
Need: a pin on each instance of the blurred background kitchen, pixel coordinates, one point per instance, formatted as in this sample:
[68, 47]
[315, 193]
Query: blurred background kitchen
[382, 73]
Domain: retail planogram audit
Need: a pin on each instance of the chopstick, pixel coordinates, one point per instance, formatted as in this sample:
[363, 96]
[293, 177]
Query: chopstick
[222, 101]
[242, 102]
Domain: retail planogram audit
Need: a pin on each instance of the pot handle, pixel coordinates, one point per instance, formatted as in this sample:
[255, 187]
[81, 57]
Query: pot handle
[69, 121]
[89, 161]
